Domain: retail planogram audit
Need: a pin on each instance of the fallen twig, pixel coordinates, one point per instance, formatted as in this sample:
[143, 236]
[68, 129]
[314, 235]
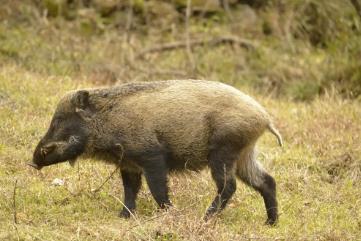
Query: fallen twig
[245, 43]
[106, 180]
[14, 202]
[115, 170]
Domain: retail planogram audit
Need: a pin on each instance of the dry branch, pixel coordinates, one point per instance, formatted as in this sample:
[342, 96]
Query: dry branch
[115, 170]
[245, 43]
[106, 180]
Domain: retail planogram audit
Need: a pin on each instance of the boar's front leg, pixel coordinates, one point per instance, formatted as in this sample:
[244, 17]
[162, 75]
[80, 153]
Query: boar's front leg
[132, 182]
[155, 172]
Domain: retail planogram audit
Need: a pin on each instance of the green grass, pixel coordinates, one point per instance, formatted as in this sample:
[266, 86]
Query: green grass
[318, 172]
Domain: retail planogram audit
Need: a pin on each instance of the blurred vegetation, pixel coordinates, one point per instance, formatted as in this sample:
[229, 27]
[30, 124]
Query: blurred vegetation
[301, 49]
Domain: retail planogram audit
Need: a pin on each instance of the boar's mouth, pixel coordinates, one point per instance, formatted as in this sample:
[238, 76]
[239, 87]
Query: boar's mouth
[34, 165]
[39, 167]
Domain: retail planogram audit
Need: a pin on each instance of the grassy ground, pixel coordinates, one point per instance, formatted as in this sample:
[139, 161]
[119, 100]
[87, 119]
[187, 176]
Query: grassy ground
[318, 172]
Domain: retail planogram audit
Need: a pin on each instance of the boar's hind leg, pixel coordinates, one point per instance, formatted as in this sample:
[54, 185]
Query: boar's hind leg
[221, 161]
[251, 172]
[131, 182]
[155, 172]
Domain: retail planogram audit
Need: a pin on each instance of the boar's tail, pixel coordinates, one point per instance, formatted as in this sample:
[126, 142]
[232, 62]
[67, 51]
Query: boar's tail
[275, 132]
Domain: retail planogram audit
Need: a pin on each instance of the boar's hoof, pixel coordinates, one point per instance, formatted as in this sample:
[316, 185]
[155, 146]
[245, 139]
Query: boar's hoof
[208, 216]
[271, 222]
[124, 213]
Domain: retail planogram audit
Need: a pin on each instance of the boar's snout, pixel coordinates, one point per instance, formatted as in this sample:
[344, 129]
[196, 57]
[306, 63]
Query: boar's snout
[56, 152]
[34, 165]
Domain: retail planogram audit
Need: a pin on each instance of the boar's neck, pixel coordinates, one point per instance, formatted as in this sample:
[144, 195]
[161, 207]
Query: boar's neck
[104, 145]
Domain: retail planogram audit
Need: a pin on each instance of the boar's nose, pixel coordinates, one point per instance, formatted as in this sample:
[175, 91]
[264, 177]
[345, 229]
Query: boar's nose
[34, 165]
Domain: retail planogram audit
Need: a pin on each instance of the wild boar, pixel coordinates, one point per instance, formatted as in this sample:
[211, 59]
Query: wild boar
[154, 128]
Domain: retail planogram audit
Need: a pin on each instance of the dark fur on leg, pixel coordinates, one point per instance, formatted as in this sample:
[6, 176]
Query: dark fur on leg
[221, 161]
[132, 183]
[268, 191]
[155, 172]
[221, 200]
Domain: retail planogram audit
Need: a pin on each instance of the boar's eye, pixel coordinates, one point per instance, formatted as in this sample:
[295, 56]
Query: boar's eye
[73, 139]
[45, 150]
[57, 121]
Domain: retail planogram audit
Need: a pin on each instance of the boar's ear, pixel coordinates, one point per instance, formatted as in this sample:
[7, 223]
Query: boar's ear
[81, 103]
[81, 99]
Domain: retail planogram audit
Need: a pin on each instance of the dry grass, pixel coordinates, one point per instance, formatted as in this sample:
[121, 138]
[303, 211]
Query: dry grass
[318, 174]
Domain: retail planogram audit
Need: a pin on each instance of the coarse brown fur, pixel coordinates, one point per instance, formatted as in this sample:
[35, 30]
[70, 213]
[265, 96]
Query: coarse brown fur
[157, 127]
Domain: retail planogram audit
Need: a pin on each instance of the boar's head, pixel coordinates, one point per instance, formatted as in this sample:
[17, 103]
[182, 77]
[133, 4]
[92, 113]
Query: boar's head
[67, 135]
